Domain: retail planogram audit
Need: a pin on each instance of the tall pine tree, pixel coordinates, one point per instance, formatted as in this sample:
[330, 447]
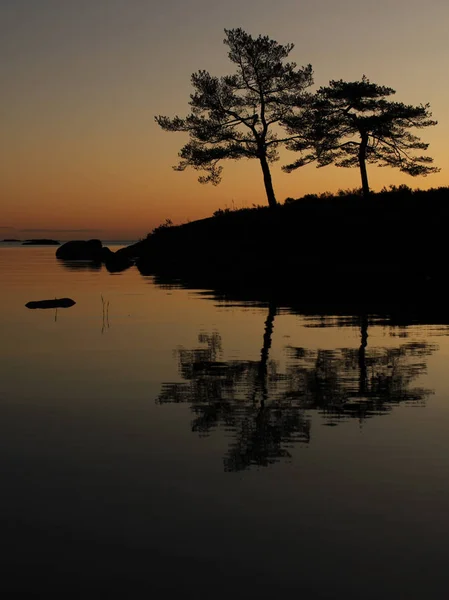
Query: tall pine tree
[237, 116]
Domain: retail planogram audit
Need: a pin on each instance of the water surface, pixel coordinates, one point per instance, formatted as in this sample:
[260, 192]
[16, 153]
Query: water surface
[158, 440]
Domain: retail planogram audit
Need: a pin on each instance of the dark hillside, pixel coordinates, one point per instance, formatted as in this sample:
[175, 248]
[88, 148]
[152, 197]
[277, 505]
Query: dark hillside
[390, 241]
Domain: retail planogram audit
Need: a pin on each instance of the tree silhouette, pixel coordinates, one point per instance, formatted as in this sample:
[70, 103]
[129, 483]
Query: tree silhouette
[266, 412]
[234, 116]
[352, 123]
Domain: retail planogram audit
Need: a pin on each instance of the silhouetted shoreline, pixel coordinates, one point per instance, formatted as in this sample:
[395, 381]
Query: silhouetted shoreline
[337, 250]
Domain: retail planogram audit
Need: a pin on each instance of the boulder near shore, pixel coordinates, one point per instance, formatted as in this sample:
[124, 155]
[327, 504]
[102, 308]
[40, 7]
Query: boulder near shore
[94, 252]
[81, 250]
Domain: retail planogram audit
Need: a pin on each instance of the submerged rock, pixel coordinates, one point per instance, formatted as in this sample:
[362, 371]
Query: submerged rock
[55, 303]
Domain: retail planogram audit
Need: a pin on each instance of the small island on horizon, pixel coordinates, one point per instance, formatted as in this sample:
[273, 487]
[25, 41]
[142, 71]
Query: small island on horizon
[41, 242]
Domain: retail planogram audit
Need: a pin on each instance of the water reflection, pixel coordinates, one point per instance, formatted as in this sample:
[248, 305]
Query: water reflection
[265, 411]
[332, 306]
[80, 265]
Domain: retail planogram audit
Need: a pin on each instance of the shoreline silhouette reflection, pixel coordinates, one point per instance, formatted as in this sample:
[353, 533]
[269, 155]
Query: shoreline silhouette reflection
[332, 301]
[265, 412]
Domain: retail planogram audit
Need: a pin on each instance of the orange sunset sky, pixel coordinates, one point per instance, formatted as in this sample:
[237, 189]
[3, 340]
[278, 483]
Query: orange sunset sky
[81, 155]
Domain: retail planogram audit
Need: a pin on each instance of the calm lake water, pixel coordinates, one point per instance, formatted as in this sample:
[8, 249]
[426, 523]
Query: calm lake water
[157, 440]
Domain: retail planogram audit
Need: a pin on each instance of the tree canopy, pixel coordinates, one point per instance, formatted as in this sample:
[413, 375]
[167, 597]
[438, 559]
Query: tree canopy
[237, 116]
[352, 123]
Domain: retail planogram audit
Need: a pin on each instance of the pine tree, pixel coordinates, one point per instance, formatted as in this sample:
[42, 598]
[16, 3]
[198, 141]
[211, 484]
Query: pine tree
[236, 116]
[350, 124]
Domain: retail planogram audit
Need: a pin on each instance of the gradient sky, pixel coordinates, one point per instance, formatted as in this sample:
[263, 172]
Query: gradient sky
[81, 81]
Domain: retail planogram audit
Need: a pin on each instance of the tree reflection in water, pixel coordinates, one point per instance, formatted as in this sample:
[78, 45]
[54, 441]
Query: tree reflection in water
[349, 382]
[266, 412]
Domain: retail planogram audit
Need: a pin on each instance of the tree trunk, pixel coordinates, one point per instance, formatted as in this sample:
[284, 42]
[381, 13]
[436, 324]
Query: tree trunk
[362, 164]
[267, 180]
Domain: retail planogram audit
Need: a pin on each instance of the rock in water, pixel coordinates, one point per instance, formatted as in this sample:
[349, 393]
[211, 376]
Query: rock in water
[81, 250]
[56, 303]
